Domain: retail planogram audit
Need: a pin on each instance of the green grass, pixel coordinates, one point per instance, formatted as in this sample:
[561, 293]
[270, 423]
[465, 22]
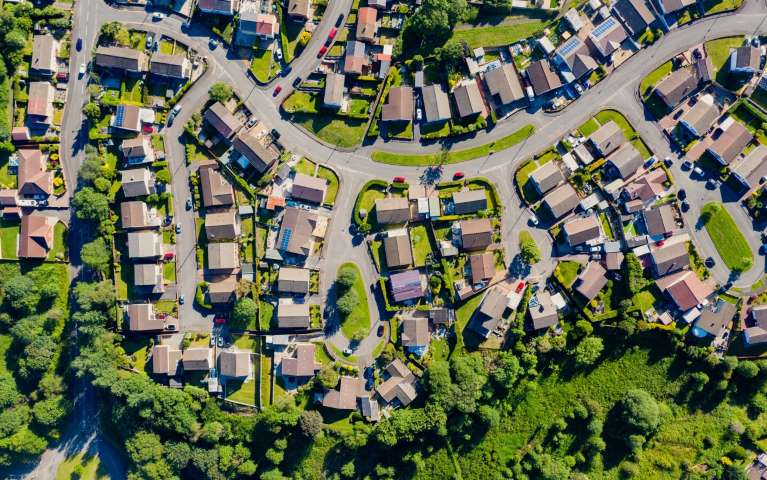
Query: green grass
[266, 378]
[242, 391]
[130, 91]
[652, 79]
[456, 156]
[261, 235]
[305, 166]
[265, 315]
[728, 240]
[589, 127]
[59, 250]
[169, 272]
[9, 235]
[137, 350]
[262, 66]
[419, 239]
[400, 130]
[711, 7]
[567, 271]
[91, 468]
[333, 183]
[342, 132]
[606, 226]
[462, 316]
[495, 36]
[359, 319]
[719, 51]
[298, 101]
[321, 355]
[289, 35]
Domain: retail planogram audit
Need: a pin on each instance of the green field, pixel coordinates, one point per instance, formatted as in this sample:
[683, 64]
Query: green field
[359, 319]
[455, 156]
[242, 391]
[567, 271]
[495, 36]
[727, 238]
[262, 66]
[344, 133]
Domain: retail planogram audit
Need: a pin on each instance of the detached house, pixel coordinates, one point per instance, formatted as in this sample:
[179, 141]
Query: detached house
[561, 201]
[36, 236]
[293, 315]
[685, 289]
[634, 14]
[730, 142]
[301, 366]
[222, 121]
[546, 177]
[170, 66]
[406, 285]
[223, 225]
[300, 10]
[468, 99]
[367, 24]
[670, 6]
[127, 119]
[44, 51]
[122, 58]
[259, 156]
[607, 138]
[745, 60]
[309, 189]
[436, 104]
[607, 37]
[659, 221]
[476, 234]
[698, 119]
[34, 179]
[334, 90]
[293, 280]
[136, 182]
[137, 150]
[219, 7]
[582, 230]
[392, 211]
[135, 215]
[397, 248]
[676, 86]
[669, 258]
[234, 364]
[356, 59]
[216, 190]
[469, 201]
[625, 161]
[542, 77]
[750, 171]
[415, 335]
[573, 59]
[40, 105]
[144, 244]
[504, 85]
[399, 105]
[297, 231]
[591, 281]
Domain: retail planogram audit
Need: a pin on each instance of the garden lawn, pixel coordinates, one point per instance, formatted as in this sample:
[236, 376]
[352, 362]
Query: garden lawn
[728, 240]
[262, 66]
[9, 235]
[91, 468]
[137, 350]
[59, 250]
[568, 271]
[419, 239]
[359, 318]
[169, 272]
[759, 97]
[462, 316]
[265, 314]
[290, 32]
[589, 127]
[495, 36]
[711, 7]
[305, 166]
[719, 51]
[332, 178]
[456, 156]
[344, 133]
[130, 91]
[242, 391]
[652, 79]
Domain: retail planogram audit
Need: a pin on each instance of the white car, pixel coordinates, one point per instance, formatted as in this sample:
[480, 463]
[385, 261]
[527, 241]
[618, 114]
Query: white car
[83, 69]
[418, 114]
[176, 109]
[157, 16]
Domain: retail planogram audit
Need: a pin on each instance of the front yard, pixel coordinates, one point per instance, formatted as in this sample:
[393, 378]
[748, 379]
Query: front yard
[727, 238]
[262, 66]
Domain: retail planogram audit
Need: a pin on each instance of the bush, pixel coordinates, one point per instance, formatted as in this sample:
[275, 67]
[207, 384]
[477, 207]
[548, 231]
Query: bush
[528, 249]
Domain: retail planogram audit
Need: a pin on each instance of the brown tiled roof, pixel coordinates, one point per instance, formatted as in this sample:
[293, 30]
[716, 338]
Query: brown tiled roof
[293, 315]
[542, 77]
[670, 258]
[334, 89]
[701, 115]
[393, 210]
[165, 360]
[222, 120]
[40, 101]
[676, 86]
[545, 314]
[234, 363]
[141, 318]
[547, 176]
[504, 82]
[147, 274]
[685, 289]
[216, 190]
[626, 160]
[591, 280]
[223, 225]
[302, 364]
[468, 99]
[716, 317]
[122, 58]
[299, 8]
[223, 256]
[730, 143]
[345, 398]
[44, 50]
[648, 186]
[296, 231]
[660, 220]
[36, 237]
[366, 23]
[562, 200]
[476, 233]
[33, 176]
[469, 201]
[135, 215]
[197, 359]
[608, 138]
[582, 229]
[415, 332]
[436, 103]
[259, 156]
[635, 14]
[293, 280]
[137, 147]
[311, 189]
[175, 66]
[399, 105]
[398, 252]
[135, 182]
[482, 267]
[222, 291]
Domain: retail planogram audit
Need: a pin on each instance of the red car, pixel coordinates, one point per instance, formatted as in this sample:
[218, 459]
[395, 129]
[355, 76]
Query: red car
[219, 319]
[332, 34]
[520, 287]
[458, 175]
[277, 90]
[168, 256]
[399, 179]
[323, 51]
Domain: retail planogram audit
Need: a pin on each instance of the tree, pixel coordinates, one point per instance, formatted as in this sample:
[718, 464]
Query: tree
[432, 23]
[90, 205]
[220, 92]
[244, 311]
[747, 369]
[162, 176]
[110, 30]
[637, 412]
[588, 351]
[21, 294]
[37, 357]
[96, 256]
[634, 274]
[507, 370]
[304, 38]
[92, 111]
[451, 55]
[328, 377]
[51, 411]
[8, 392]
[347, 303]
[583, 328]
[489, 416]
[310, 422]
[528, 249]
[345, 280]
[698, 381]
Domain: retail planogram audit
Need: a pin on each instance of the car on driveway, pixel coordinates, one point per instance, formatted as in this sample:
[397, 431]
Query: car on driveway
[149, 40]
[458, 175]
[697, 171]
[685, 206]
[181, 299]
[188, 203]
[157, 16]
[219, 319]
[380, 331]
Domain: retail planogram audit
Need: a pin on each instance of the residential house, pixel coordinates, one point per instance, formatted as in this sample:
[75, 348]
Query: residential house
[36, 236]
[543, 314]
[293, 280]
[300, 10]
[150, 276]
[345, 398]
[648, 187]
[561, 201]
[660, 221]
[752, 169]
[546, 177]
[542, 78]
[397, 248]
[406, 285]
[216, 190]
[33, 178]
[685, 289]
[223, 122]
[144, 244]
[223, 256]
[677, 86]
[122, 58]
[301, 366]
[176, 67]
[141, 318]
[573, 59]
[334, 90]
[399, 386]
[756, 333]
[573, 18]
[136, 182]
[582, 230]
[223, 225]
[415, 336]
[625, 161]
[504, 85]
[482, 267]
[259, 156]
[222, 291]
[476, 234]
[490, 313]
[137, 150]
[745, 60]
[297, 231]
[135, 215]
[591, 280]
[44, 51]
[698, 119]
[293, 315]
[379, 4]
[436, 104]
[704, 69]
[127, 119]
[309, 189]
[613, 260]
[399, 104]
[255, 25]
[469, 201]
[716, 318]
[731, 141]
[468, 99]
[219, 7]
[671, 6]
[669, 258]
[441, 316]
[369, 406]
[367, 24]
[392, 210]
[234, 364]
[356, 60]
[634, 14]
[607, 138]
[165, 360]
[40, 105]
[607, 37]
[197, 359]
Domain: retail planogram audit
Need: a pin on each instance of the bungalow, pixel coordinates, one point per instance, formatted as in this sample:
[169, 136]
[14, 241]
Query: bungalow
[170, 66]
[44, 51]
[223, 257]
[731, 141]
[613, 260]
[669, 258]
[141, 318]
[716, 318]
[546, 177]
[36, 236]
[757, 332]
[542, 78]
[573, 59]
[356, 59]
[400, 384]
[468, 100]
[399, 105]
[300, 10]
[40, 105]
[698, 119]
[504, 85]
[670, 6]
[482, 267]
[476, 234]
[165, 360]
[33, 178]
[607, 37]
[582, 230]
[234, 364]
[745, 60]
[309, 189]
[490, 313]
[293, 315]
[543, 315]
[297, 230]
[136, 182]
[685, 289]
[436, 104]
[137, 150]
[634, 14]
[345, 398]
[392, 211]
[676, 86]
[149, 275]
[251, 147]
[334, 90]
[293, 280]
[607, 138]
[648, 187]
[219, 7]
[625, 161]
[144, 244]
[397, 248]
[300, 366]
[441, 316]
[135, 215]
[216, 190]
[751, 170]
[469, 201]
[660, 221]
[222, 291]
[591, 280]
[197, 359]
[223, 225]
[222, 121]
[127, 119]
[122, 58]
[367, 24]
[561, 201]
[406, 285]
[415, 335]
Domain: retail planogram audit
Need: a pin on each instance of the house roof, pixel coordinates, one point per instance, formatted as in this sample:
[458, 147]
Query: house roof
[469, 201]
[267, 25]
[745, 57]
[36, 236]
[122, 58]
[436, 104]
[397, 368]
[221, 291]
[33, 176]
[759, 315]
[608, 138]
[750, 169]
[165, 360]
[40, 101]
[135, 214]
[226, 7]
[345, 398]
[626, 160]
[406, 285]
[676, 86]
[482, 266]
[311, 189]
[251, 147]
[44, 50]
[144, 244]
[135, 182]
[223, 256]
[302, 363]
[659, 220]
[141, 318]
[476, 233]
[670, 6]
[296, 231]
[299, 8]
[562, 200]
[685, 289]
[137, 147]
[731, 142]
[197, 359]
[701, 115]
[415, 332]
[392, 210]
[582, 229]
[293, 315]
[234, 363]
[334, 88]
[147, 274]
[504, 82]
[547, 176]
[613, 260]
[216, 190]
[591, 280]
[223, 225]
[127, 117]
[355, 57]
[222, 120]
[543, 315]
[648, 186]
[293, 280]
[492, 307]
[670, 258]
[367, 23]
[716, 317]
[399, 105]
[398, 252]
[175, 66]
[608, 36]
[635, 14]
[542, 77]
[468, 99]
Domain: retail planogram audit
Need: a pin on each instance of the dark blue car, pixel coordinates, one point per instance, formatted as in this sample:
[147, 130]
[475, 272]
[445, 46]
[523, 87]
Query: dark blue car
[79, 44]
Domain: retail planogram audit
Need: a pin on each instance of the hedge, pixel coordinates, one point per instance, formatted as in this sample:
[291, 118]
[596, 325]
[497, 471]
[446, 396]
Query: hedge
[370, 184]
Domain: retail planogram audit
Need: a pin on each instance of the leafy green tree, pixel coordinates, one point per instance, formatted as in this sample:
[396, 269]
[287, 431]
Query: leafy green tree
[588, 351]
[244, 312]
[8, 392]
[96, 255]
[92, 111]
[37, 357]
[220, 92]
[347, 303]
[310, 423]
[489, 416]
[637, 412]
[698, 381]
[162, 176]
[528, 249]
[747, 369]
[94, 295]
[13, 419]
[21, 294]
[345, 280]
[328, 377]
[451, 55]
[507, 370]
[90, 205]
[50, 412]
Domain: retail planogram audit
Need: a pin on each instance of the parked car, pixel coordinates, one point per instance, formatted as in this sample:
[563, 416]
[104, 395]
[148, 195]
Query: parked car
[188, 203]
[697, 171]
[149, 40]
[297, 82]
[348, 351]
[176, 109]
[710, 262]
[79, 44]
[380, 331]
[251, 121]
[322, 51]
[418, 114]
[213, 43]
[332, 34]
[686, 165]
[219, 319]
[398, 179]
[83, 69]
[711, 184]
[275, 134]
[157, 16]
[178, 227]
[668, 161]
[339, 20]
[681, 194]
[181, 299]
[458, 175]
[220, 341]
[533, 220]
[277, 90]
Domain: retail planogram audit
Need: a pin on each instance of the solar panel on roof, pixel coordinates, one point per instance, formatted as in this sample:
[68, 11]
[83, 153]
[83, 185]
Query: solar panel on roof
[604, 27]
[120, 114]
[569, 46]
[286, 239]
